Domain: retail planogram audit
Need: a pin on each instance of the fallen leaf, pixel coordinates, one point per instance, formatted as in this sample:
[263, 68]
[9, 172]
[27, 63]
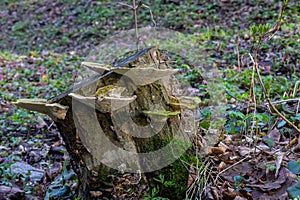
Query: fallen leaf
[192, 176]
[243, 150]
[292, 143]
[275, 135]
[221, 166]
[272, 185]
[239, 198]
[278, 163]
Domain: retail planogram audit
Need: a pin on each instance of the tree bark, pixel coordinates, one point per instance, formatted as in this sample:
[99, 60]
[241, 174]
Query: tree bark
[112, 123]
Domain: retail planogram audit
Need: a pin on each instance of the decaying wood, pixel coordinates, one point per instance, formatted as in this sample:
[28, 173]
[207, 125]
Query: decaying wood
[107, 111]
[54, 110]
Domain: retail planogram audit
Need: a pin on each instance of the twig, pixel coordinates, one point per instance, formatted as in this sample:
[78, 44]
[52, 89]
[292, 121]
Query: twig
[284, 101]
[297, 109]
[238, 54]
[123, 4]
[151, 14]
[135, 23]
[224, 170]
[269, 34]
[134, 8]
[252, 89]
[188, 171]
[268, 98]
[265, 104]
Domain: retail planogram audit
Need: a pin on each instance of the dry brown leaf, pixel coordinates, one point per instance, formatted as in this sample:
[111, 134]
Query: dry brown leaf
[272, 185]
[215, 193]
[216, 150]
[234, 158]
[192, 176]
[224, 146]
[228, 139]
[278, 163]
[221, 166]
[96, 194]
[243, 151]
[230, 192]
[263, 147]
[212, 193]
[292, 143]
[239, 198]
[275, 135]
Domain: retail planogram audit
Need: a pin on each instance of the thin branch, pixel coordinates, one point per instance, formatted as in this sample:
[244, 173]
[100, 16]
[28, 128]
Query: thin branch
[134, 7]
[254, 100]
[269, 34]
[297, 109]
[123, 4]
[224, 170]
[151, 14]
[284, 101]
[238, 54]
[265, 104]
[268, 98]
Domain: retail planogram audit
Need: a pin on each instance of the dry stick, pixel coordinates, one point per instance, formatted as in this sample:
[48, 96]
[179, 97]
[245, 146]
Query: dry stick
[188, 171]
[224, 170]
[254, 98]
[297, 109]
[284, 101]
[151, 14]
[135, 8]
[268, 98]
[265, 104]
[238, 54]
[254, 112]
[135, 23]
[269, 34]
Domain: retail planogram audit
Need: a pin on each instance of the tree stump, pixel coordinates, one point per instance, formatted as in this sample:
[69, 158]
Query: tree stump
[123, 126]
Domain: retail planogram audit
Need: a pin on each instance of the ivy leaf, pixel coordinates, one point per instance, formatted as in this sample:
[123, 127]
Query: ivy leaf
[294, 191]
[269, 141]
[238, 179]
[281, 124]
[294, 166]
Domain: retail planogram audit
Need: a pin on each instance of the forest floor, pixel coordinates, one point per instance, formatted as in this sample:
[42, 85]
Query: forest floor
[256, 153]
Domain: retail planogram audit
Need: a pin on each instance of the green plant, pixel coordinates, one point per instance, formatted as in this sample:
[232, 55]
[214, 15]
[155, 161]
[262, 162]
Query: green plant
[270, 167]
[239, 123]
[152, 195]
[238, 182]
[6, 173]
[163, 182]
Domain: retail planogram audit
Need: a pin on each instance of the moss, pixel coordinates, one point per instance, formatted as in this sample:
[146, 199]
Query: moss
[155, 143]
[104, 91]
[176, 177]
[175, 174]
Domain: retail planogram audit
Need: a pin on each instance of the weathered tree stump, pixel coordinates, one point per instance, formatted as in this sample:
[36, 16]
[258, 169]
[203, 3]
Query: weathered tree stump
[130, 118]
